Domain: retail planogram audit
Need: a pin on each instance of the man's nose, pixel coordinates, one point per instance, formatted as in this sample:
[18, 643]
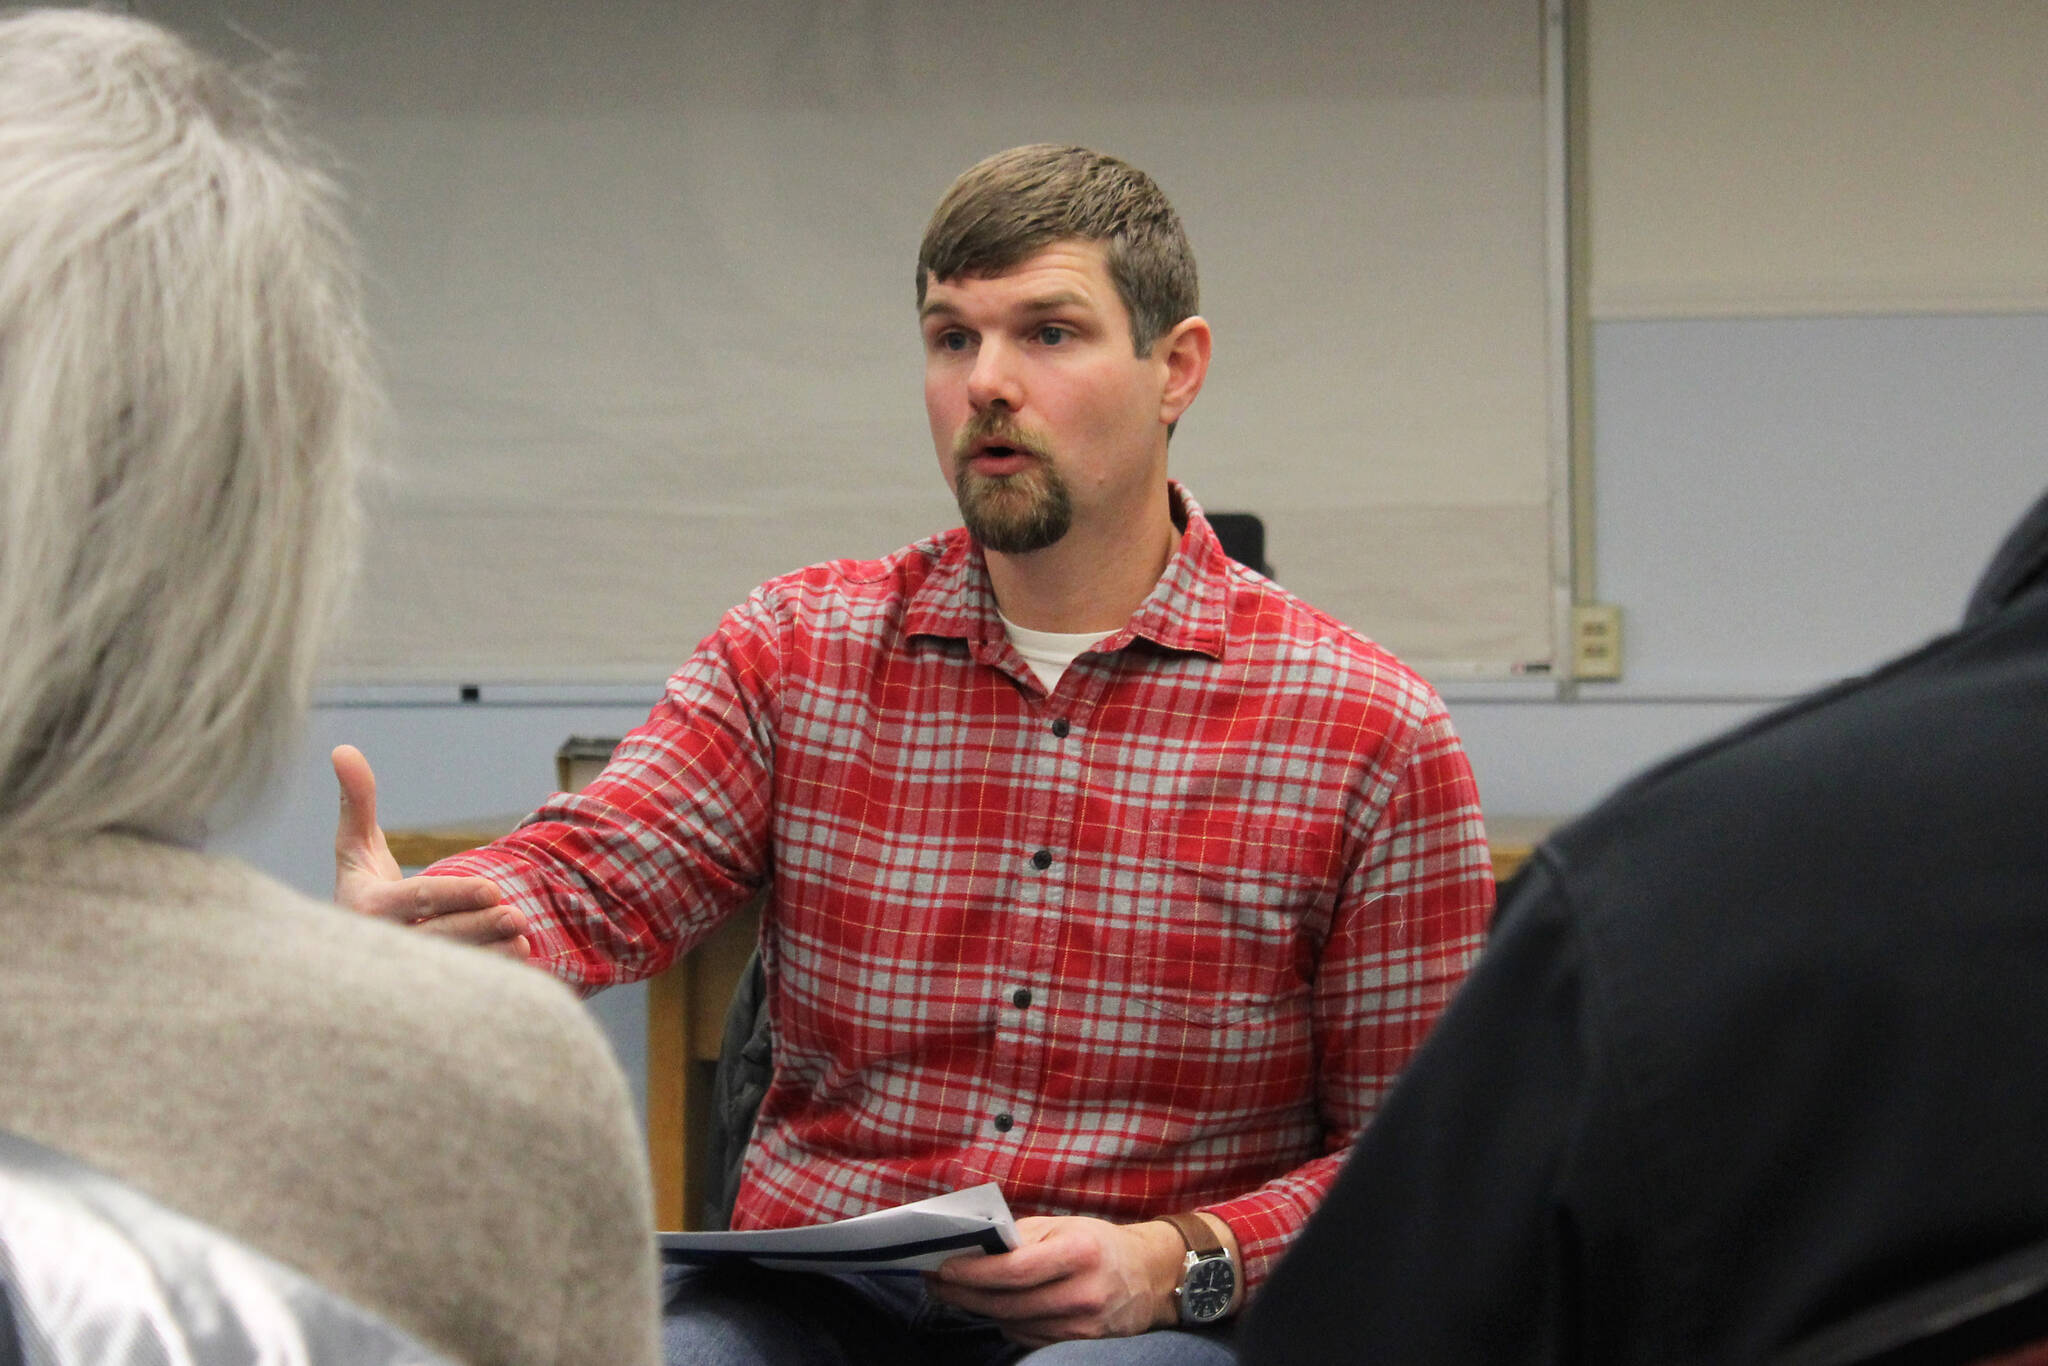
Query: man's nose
[994, 379]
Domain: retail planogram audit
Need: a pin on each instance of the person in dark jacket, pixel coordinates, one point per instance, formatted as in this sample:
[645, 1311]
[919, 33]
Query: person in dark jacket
[1756, 1045]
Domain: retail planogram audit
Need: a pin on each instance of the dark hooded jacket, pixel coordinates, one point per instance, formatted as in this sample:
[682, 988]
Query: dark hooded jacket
[1760, 1043]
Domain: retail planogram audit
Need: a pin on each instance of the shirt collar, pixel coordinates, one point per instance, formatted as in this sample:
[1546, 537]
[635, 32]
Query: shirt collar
[1186, 609]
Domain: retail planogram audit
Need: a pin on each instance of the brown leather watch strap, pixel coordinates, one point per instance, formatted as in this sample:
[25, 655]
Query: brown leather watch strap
[1195, 1232]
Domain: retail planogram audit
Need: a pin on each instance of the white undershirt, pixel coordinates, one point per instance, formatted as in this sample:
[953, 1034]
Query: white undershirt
[1050, 652]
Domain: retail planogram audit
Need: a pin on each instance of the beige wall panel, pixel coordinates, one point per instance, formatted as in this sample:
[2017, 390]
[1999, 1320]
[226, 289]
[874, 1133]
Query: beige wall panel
[1813, 157]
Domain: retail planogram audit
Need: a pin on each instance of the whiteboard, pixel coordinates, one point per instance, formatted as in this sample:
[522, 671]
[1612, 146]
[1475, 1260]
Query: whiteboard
[643, 279]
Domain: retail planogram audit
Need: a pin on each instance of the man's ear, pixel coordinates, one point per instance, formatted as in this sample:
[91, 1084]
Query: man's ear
[1185, 354]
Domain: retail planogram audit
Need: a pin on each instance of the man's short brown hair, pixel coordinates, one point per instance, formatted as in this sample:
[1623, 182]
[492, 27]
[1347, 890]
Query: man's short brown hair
[1008, 206]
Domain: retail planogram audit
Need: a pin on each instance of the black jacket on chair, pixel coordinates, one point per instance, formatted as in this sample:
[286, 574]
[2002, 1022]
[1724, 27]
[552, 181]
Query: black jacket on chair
[1759, 1043]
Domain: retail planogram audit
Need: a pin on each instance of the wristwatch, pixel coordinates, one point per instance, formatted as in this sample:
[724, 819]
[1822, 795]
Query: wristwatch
[1208, 1279]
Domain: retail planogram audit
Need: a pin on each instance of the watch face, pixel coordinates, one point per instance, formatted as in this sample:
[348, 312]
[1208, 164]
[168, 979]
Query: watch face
[1206, 1289]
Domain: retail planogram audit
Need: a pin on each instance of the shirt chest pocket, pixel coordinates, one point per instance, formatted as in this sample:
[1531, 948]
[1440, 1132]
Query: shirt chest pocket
[1226, 943]
[1245, 855]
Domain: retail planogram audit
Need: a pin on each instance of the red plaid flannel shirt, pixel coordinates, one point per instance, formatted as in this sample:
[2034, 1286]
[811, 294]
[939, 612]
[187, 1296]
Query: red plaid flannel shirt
[1158, 941]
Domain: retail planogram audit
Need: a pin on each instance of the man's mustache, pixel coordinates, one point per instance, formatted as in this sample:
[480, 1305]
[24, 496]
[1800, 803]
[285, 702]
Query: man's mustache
[993, 429]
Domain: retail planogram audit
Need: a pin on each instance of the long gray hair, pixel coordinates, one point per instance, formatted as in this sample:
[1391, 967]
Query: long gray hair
[184, 392]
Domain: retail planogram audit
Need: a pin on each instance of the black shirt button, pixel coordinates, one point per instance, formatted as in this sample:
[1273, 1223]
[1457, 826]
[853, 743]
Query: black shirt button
[1003, 1123]
[1060, 727]
[1042, 859]
[1021, 997]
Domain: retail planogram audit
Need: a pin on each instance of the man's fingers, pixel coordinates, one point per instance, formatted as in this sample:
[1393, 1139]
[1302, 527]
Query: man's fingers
[435, 898]
[517, 948]
[499, 927]
[1027, 1265]
[424, 900]
[1004, 1273]
[357, 827]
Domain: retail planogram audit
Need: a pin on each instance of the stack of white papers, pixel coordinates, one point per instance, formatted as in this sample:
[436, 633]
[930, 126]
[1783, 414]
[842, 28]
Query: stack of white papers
[915, 1237]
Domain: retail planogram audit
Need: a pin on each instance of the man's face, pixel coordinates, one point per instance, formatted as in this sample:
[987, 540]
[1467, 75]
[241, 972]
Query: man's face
[1041, 414]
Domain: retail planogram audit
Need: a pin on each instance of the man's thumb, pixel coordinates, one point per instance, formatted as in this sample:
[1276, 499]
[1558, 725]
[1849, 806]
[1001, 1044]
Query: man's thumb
[357, 825]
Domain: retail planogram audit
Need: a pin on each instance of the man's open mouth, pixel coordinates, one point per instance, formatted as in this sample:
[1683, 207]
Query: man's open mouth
[998, 453]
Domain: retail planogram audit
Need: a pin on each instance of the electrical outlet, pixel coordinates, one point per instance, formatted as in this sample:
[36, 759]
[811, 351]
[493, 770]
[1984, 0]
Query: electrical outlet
[1596, 641]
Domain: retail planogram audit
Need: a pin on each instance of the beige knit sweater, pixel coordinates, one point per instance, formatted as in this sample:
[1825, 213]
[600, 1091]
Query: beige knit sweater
[438, 1134]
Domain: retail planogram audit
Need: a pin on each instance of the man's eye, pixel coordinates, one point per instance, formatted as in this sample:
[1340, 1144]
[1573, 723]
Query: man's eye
[1052, 335]
[951, 341]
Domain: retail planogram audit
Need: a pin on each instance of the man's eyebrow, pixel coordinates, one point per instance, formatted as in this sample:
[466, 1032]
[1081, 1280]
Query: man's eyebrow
[1047, 303]
[1053, 303]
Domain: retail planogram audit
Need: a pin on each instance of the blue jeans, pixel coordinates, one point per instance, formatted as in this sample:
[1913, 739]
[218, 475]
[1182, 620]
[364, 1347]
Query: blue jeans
[741, 1315]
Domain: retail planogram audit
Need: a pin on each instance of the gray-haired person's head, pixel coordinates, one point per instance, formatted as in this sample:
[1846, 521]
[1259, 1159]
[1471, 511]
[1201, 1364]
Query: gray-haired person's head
[183, 393]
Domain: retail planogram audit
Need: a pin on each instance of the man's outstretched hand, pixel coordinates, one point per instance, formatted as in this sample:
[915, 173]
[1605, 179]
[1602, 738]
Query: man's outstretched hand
[367, 880]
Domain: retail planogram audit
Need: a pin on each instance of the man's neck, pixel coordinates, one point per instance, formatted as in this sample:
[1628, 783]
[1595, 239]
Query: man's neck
[1086, 582]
